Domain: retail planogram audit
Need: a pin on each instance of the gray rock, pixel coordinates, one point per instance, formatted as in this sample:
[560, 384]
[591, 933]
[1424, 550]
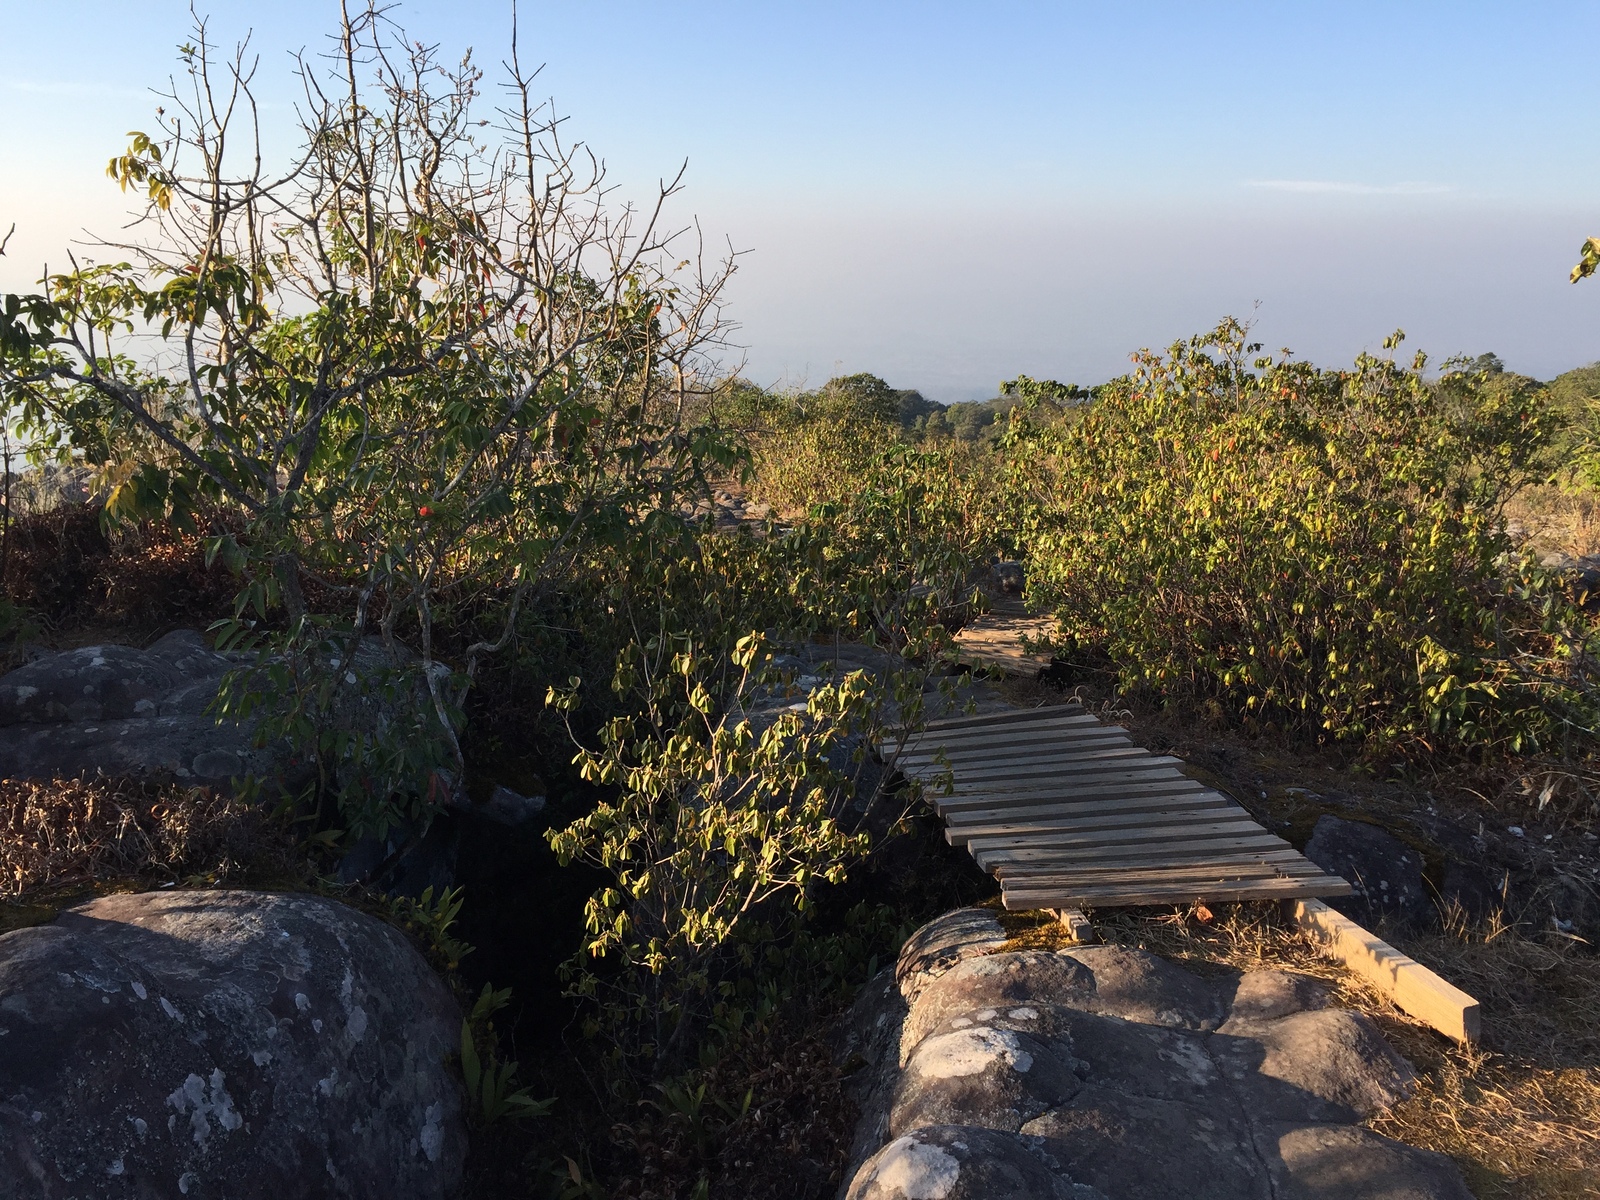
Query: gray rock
[997, 981]
[868, 1051]
[1328, 1065]
[1122, 1070]
[944, 942]
[958, 1162]
[95, 683]
[1137, 986]
[1347, 1162]
[1266, 995]
[224, 1044]
[1009, 577]
[981, 1075]
[194, 749]
[506, 807]
[1146, 1148]
[116, 710]
[1386, 873]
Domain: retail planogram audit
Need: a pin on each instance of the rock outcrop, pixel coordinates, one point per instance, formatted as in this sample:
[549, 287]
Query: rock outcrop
[1385, 872]
[117, 710]
[224, 1044]
[1101, 1071]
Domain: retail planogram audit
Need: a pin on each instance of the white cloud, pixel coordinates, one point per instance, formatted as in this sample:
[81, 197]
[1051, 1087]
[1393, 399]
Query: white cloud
[1328, 186]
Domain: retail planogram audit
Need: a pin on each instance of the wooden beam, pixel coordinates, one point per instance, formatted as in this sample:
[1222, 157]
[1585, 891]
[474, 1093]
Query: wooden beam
[1047, 733]
[1064, 894]
[1102, 788]
[1413, 988]
[990, 749]
[1010, 864]
[1077, 926]
[962, 826]
[1128, 758]
[1068, 712]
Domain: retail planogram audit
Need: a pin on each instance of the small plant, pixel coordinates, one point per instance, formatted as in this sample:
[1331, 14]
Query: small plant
[488, 1079]
[431, 918]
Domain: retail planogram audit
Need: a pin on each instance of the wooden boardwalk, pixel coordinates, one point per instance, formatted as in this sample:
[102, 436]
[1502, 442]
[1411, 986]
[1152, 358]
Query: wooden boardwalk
[1066, 812]
[995, 639]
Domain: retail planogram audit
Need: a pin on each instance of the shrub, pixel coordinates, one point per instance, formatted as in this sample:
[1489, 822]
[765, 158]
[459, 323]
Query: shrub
[1316, 549]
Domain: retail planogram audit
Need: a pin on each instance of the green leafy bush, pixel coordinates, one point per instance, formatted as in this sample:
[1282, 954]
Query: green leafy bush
[1316, 549]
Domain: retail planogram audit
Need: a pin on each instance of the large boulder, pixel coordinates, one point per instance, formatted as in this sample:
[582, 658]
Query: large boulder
[117, 710]
[1111, 1071]
[1385, 872]
[224, 1044]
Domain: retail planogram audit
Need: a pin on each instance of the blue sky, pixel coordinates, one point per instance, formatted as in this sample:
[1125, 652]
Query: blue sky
[948, 194]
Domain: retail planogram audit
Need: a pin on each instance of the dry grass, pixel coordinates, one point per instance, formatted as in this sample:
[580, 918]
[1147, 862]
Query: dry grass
[1520, 1112]
[1553, 520]
[64, 834]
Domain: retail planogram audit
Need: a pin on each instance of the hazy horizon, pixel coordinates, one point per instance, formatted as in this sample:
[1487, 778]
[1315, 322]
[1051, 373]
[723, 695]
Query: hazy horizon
[947, 197]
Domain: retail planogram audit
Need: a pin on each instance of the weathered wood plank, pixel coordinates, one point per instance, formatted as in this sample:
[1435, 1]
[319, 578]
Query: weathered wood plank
[1117, 867]
[1019, 765]
[1013, 716]
[1005, 864]
[1065, 808]
[1130, 758]
[1413, 987]
[1014, 823]
[1090, 790]
[1041, 733]
[1065, 829]
[1065, 895]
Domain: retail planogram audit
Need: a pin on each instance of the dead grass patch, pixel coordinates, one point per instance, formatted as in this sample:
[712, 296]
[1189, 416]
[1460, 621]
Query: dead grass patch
[66, 833]
[1553, 519]
[1520, 1112]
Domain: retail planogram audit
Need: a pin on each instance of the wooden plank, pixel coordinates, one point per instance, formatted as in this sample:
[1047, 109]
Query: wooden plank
[1009, 760]
[1116, 867]
[1079, 931]
[1176, 793]
[1036, 730]
[1065, 828]
[1249, 868]
[1223, 846]
[1049, 775]
[1040, 810]
[1014, 716]
[1064, 895]
[1320, 885]
[1044, 733]
[989, 749]
[1060, 805]
[1006, 864]
[1188, 875]
[1412, 987]
[1127, 758]
[1012, 822]
[1052, 748]
[1098, 789]
[1128, 772]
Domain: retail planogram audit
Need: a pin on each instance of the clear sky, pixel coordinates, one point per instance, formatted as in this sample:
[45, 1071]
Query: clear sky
[950, 194]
